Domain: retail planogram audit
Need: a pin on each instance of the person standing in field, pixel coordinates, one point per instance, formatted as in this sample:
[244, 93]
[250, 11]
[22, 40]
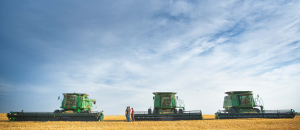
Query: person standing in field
[132, 114]
[127, 113]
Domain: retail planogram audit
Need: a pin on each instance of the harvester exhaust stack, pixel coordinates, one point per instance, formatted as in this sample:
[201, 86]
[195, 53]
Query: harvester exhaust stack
[75, 107]
[167, 107]
[241, 104]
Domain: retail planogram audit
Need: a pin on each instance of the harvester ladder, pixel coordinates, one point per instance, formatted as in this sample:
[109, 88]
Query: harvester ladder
[180, 103]
[259, 102]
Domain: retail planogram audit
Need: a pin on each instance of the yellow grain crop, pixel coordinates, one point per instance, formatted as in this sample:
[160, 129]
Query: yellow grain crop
[118, 122]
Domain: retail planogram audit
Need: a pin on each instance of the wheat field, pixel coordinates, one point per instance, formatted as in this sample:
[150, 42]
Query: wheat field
[118, 122]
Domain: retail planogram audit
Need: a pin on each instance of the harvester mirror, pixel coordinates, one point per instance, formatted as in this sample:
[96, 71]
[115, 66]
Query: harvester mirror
[94, 102]
[153, 97]
[176, 97]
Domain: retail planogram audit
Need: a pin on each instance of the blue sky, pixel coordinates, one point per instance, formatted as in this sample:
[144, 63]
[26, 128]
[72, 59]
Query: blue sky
[119, 52]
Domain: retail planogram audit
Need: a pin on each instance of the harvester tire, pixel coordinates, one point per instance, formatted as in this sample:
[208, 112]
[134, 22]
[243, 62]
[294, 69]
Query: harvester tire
[58, 111]
[154, 111]
[149, 111]
[180, 111]
[85, 111]
[233, 110]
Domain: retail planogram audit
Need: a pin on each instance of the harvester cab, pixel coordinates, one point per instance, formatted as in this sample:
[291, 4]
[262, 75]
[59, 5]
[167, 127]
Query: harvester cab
[166, 107]
[75, 107]
[242, 104]
[77, 102]
[165, 103]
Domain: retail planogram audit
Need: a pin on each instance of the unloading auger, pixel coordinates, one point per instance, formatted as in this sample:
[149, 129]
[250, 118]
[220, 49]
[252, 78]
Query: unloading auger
[242, 104]
[75, 107]
[167, 107]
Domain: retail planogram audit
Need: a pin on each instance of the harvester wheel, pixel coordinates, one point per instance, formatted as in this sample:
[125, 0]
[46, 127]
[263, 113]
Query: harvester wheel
[233, 110]
[180, 111]
[57, 111]
[257, 110]
[154, 111]
[149, 111]
[85, 111]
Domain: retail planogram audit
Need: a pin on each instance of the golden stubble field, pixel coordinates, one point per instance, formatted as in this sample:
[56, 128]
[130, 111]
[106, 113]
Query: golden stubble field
[118, 122]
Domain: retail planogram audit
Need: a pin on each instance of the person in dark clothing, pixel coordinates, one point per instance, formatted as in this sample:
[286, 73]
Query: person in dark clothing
[127, 113]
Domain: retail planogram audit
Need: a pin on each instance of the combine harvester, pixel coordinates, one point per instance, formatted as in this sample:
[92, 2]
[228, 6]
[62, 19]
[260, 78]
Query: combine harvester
[241, 104]
[165, 108]
[75, 107]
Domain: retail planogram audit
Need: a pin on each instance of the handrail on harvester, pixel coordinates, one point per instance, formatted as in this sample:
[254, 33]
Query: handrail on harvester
[180, 104]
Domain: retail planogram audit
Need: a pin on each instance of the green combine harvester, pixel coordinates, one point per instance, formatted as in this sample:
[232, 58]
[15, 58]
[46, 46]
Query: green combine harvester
[167, 107]
[75, 107]
[242, 104]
